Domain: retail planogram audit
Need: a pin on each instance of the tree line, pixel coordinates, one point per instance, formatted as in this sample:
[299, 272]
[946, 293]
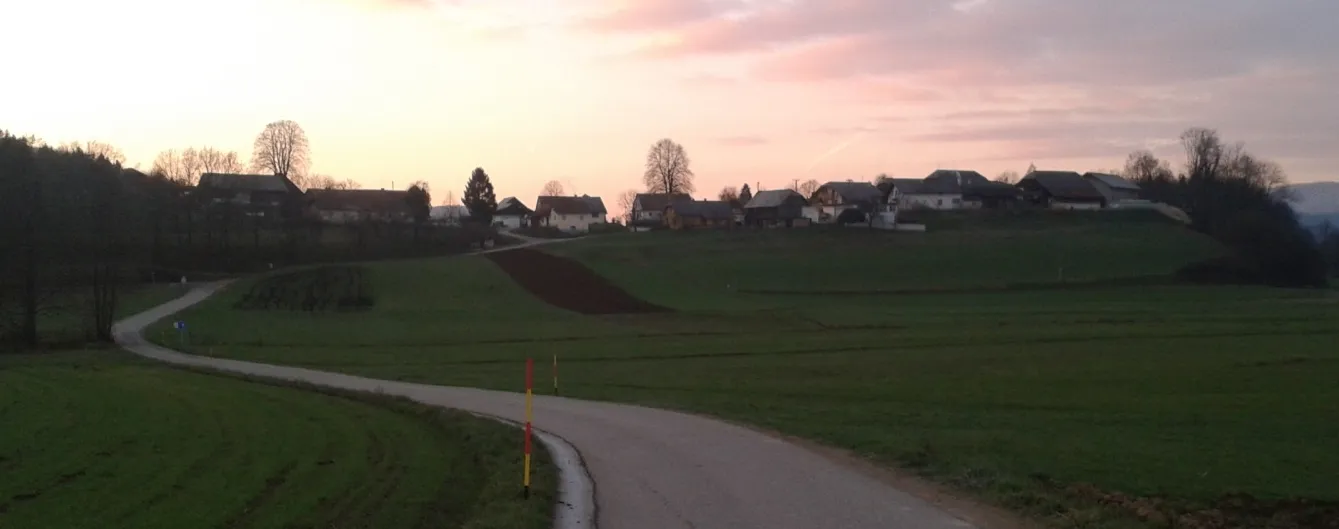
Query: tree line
[1240, 200]
[76, 227]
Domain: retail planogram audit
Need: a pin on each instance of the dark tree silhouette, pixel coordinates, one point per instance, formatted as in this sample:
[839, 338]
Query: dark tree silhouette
[282, 149]
[479, 198]
[668, 169]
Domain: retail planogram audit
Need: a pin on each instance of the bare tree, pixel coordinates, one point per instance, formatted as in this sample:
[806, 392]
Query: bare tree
[1007, 177]
[728, 194]
[168, 164]
[1143, 166]
[552, 188]
[282, 149]
[96, 149]
[668, 168]
[1031, 168]
[321, 181]
[625, 200]
[809, 187]
[191, 165]
[212, 160]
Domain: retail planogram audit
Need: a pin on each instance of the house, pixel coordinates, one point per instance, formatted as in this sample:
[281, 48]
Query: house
[972, 189]
[780, 207]
[689, 214]
[263, 195]
[453, 215]
[570, 214]
[511, 213]
[830, 199]
[916, 193]
[359, 205]
[1114, 188]
[648, 209]
[1061, 190]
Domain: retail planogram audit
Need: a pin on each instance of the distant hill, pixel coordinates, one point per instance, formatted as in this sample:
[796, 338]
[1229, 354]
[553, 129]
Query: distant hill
[1316, 197]
[1316, 204]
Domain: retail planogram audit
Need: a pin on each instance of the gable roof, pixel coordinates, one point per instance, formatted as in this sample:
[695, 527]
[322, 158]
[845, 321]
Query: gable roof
[383, 200]
[771, 198]
[582, 205]
[707, 209]
[910, 186]
[512, 206]
[1064, 185]
[1112, 181]
[854, 191]
[247, 182]
[657, 201]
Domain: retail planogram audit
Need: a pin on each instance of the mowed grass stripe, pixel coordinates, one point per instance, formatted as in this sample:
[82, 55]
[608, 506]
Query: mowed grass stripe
[114, 442]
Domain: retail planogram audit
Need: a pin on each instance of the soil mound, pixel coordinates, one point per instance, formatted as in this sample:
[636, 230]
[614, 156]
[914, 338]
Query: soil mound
[567, 284]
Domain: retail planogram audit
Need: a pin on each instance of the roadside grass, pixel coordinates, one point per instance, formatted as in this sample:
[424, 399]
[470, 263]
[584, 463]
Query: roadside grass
[1053, 402]
[99, 438]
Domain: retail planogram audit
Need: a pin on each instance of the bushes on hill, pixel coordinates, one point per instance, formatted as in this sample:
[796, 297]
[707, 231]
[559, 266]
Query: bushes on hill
[311, 290]
[1239, 200]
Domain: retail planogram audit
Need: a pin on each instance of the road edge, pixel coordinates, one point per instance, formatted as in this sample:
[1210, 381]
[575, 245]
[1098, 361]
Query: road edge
[575, 508]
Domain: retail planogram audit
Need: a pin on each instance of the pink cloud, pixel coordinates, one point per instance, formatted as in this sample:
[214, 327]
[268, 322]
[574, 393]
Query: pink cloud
[650, 15]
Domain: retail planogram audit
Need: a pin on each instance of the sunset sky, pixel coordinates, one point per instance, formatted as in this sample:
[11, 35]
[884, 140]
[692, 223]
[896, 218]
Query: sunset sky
[391, 91]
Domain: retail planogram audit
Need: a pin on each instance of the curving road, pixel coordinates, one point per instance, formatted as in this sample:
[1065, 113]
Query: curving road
[651, 468]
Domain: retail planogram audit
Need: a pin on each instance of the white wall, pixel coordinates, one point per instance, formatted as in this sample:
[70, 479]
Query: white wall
[931, 201]
[574, 223]
[508, 221]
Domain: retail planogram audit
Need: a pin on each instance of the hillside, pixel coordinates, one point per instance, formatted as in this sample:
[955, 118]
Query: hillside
[959, 252]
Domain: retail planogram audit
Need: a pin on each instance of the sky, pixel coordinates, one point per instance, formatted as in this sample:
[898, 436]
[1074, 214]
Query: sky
[763, 92]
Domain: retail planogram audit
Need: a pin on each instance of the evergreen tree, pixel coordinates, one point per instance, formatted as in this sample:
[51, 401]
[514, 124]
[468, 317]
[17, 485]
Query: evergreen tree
[479, 197]
[745, 195]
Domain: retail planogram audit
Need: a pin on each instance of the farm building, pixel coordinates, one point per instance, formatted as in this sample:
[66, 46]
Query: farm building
[971, 189]
[1114, 188]
[832, 198]
[264, 195]
[781, 207]
[1061, 190]
[359, 205]
[449, 215]
[916, 193]
[691, 214]
[648, 209]
[511, 213]
[570, 214]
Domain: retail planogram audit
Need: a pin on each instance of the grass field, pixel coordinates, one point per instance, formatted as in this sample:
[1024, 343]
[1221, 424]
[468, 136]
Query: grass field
[99, 438]
[947, 355]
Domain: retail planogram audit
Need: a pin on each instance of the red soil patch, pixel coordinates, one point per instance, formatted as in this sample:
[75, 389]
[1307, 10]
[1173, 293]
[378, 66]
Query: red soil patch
[567, 284]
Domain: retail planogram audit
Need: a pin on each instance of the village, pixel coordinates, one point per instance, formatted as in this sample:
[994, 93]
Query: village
[874, 204]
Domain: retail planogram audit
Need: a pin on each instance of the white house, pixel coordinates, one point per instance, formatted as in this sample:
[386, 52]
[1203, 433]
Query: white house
[915, 193]
[511, 213]
[648, 209]
[570, 214]
[832, 198]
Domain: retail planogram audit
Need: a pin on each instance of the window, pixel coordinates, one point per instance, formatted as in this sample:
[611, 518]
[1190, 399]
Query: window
[939, 202]
[957, 201]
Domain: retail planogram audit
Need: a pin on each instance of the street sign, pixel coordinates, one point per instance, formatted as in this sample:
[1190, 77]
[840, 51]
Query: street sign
[181, 325]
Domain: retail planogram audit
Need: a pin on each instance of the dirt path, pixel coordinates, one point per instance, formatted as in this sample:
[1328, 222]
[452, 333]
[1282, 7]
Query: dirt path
[567, 284]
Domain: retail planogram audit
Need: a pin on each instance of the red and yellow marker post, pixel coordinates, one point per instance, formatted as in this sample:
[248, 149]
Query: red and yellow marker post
[529, 380]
